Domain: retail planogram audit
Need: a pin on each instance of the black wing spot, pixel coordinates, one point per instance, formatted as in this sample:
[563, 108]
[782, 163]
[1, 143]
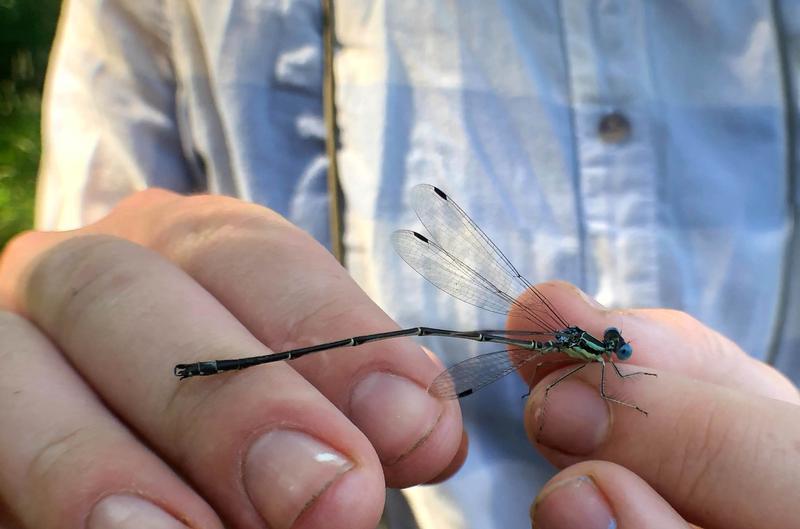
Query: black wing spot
[440, 193]
[420, 236]
[464, 393]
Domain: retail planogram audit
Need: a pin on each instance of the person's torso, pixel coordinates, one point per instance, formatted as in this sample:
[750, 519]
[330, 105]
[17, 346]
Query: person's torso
[644, 151]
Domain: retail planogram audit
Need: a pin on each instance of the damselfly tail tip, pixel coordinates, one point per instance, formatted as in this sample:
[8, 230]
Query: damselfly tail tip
[203, 369]
[184, 371]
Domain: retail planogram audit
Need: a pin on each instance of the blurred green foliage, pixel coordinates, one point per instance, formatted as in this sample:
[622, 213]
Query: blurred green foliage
[26, 33]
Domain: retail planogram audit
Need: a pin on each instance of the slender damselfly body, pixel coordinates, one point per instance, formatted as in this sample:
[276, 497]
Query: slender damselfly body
[458, 258]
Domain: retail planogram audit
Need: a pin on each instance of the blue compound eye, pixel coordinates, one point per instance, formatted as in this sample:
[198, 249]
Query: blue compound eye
[625, 352]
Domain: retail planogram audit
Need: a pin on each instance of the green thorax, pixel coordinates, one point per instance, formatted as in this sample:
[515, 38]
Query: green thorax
[587, 347]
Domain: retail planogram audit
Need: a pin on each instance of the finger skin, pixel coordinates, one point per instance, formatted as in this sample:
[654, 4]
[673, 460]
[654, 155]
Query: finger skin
[100, 298]
[157, 336]
[61, 451]
[721, 457]
[7, 520]
[632, 502]
[455, 464]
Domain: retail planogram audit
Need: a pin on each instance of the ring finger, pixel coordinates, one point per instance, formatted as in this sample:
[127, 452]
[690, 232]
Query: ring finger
[65, 461]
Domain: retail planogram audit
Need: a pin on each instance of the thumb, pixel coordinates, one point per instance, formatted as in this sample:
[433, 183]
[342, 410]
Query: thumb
[601, 495]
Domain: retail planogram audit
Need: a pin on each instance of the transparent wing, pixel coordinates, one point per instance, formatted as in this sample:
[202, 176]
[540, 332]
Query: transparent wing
[472, 374]
[454, 231]
[458, 247]
[449, 274]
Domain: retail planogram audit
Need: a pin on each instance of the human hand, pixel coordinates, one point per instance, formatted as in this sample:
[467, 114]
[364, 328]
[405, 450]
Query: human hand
[96, 429]
[719, 448]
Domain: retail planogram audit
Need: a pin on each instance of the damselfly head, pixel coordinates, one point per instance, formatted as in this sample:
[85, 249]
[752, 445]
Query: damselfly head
[616, 343]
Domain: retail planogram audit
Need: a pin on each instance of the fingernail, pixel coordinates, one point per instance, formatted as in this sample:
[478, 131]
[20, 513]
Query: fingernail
[575, 419]
[573, 504]
[286, 470]
[126, 511]
[394, 413]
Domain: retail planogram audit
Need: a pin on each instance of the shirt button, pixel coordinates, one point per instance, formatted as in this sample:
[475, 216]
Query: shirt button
[614, 127]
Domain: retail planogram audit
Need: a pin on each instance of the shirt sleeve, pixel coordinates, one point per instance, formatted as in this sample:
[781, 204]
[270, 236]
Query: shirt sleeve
[109, 124]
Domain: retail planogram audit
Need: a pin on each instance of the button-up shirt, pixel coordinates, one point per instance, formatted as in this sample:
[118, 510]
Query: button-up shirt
[644, 150]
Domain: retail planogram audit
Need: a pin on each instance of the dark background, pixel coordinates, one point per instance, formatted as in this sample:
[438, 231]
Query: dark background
[26, 33]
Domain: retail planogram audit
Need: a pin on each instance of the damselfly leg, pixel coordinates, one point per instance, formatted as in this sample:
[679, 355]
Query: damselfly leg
[603, 393]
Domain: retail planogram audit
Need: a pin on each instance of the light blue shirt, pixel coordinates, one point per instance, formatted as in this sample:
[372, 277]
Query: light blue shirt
[644, 150]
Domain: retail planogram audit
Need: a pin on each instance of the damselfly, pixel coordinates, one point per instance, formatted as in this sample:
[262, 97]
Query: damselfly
[461, 260]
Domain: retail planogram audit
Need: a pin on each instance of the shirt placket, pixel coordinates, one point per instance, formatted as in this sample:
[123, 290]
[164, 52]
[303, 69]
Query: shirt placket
[615, 137]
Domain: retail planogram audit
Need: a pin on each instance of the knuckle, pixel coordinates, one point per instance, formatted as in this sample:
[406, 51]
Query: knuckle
[73, 276]
[210, 225]
[69, 470]
[59, 454]
[706, 441]
[145, 198]
[19, 242]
